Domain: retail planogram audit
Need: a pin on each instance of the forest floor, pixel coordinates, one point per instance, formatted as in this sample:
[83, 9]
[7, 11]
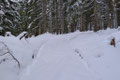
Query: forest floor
[73, 56]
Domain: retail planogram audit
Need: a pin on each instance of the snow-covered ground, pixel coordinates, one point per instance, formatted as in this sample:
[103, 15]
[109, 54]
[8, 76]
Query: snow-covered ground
[73, 56]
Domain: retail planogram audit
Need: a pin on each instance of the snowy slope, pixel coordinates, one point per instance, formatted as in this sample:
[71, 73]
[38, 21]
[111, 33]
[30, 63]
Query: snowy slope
[77, 56]
[73, 56]
[21, 50]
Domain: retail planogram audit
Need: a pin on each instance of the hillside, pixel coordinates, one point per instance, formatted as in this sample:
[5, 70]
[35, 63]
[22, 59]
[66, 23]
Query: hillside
[73, 56]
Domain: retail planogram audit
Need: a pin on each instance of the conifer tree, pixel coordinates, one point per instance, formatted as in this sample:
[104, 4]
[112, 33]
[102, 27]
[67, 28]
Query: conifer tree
[9, 17]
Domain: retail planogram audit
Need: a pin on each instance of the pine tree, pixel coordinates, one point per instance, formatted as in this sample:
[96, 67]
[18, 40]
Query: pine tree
[63, 16]
[31, 17]
[9, 19]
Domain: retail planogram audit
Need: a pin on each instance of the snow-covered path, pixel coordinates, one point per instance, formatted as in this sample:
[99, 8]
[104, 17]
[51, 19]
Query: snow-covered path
[57, 62]
[74, 57]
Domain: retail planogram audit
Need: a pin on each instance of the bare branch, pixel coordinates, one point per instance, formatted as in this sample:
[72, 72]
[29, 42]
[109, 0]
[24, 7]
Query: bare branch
[10, 53]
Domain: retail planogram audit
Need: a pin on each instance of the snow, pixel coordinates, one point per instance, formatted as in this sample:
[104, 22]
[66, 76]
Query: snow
[16, 0]
[1, 12]
[73, 56]
[1, 28]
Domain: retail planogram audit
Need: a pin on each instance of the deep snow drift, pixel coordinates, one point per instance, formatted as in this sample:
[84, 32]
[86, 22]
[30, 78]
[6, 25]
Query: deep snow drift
[73, 56]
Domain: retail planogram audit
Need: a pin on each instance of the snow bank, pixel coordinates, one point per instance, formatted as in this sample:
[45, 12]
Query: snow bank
[76, 56]
[22, 50]
[73, 56]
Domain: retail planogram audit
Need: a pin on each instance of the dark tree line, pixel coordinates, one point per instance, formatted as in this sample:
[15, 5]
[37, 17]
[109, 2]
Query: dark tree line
[58, 16]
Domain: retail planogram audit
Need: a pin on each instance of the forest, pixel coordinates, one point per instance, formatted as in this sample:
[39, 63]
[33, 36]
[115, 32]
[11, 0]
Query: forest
[59, 39]
[57, 16]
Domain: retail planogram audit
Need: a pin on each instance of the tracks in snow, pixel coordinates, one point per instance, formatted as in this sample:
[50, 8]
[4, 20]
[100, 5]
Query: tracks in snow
[94, 74]
[65, 62]
[27, 71]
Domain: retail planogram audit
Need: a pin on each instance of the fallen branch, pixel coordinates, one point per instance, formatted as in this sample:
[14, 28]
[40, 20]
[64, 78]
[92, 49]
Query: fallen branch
[10, 53]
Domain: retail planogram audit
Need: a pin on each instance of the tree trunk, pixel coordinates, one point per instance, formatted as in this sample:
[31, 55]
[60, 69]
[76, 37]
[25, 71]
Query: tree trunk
[96, 28]
[62, 16]
[115, 15]
[81, 26]
[44, 15]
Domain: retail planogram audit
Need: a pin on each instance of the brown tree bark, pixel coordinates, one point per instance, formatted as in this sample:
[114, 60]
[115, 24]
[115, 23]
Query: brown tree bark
[96, 28]
[62, 16]
[44, 15]
[56, 16]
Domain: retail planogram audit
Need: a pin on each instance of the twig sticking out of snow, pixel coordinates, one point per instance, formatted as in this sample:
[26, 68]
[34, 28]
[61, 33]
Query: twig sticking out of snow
[10, 53]
[113, 42]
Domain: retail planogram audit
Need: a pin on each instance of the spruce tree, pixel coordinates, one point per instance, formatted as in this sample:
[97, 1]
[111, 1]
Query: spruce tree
[9, 17]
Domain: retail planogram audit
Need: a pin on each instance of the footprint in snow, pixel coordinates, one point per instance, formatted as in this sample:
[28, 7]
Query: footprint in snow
[78, 52]
[99, 55]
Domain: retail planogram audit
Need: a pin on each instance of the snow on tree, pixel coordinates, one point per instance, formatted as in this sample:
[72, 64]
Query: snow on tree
[9, 17]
